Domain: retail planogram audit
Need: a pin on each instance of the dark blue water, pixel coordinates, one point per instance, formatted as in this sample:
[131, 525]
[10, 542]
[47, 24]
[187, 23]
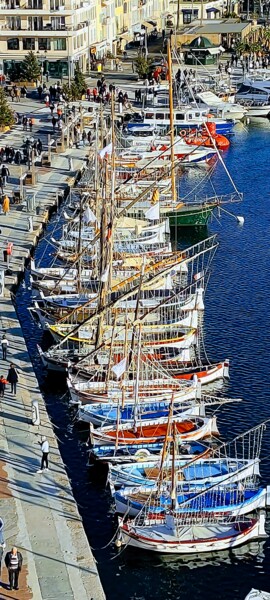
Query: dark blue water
[238, 328]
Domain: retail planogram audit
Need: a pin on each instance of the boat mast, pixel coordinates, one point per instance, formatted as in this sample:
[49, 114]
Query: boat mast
[80, 247]
[169, 56]
[137, 381]
[173, 492]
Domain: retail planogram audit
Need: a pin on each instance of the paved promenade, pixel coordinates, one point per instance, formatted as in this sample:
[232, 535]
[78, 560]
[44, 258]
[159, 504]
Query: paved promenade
[49, 182]
[39, 512]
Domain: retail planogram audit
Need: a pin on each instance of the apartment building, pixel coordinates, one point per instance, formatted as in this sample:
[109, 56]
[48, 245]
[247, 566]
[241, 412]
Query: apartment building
[65, 32]
[60, 32]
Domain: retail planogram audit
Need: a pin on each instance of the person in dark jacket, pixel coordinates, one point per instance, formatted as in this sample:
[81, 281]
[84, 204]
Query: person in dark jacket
[12, 378]
[13, 561]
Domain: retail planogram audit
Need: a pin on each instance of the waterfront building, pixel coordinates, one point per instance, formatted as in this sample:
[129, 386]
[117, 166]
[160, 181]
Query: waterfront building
[60, 32]
[63, 33]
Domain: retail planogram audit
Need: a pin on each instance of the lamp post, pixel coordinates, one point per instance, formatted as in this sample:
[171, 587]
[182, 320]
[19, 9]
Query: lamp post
[42, 58]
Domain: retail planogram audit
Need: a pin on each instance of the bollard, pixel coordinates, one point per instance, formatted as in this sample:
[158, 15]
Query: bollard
[30, 223]
[35, 413]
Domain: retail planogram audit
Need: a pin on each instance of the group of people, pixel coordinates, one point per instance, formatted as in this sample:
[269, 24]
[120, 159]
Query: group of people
[101, 93]
[12, 376]
[4, 199]
[16, 93]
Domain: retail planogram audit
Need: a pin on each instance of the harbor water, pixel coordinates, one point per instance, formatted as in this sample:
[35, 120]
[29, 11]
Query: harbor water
[237, 327]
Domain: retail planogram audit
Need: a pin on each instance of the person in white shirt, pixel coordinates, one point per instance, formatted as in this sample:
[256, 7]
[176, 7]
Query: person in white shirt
[45, 448]
[4, 344]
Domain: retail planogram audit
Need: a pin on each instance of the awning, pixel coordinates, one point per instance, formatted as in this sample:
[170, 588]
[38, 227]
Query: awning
[213, 51]
[148, 26]
[190, 11]
[125, 36]
[215, 10]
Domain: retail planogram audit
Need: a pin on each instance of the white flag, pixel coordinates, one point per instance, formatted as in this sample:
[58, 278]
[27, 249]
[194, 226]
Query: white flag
[105, 151]
[105, 275]
[88, 216]
[153, 213]
[120, 368]
[198, 275]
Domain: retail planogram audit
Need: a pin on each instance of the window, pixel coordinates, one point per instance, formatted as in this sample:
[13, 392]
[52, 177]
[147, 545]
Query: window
[60, 44]
[35, 23]
[149, 116]
[160, 116]
[190, 116]
[14, 23]
[187, 16]
[34, 4]
[56, 4]
[125, 7]
[180, 117]
[28, 43]
[13, 44]
[58, 23]
[44, 44]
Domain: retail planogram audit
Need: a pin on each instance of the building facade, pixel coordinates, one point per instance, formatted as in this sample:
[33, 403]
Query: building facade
[65, 32]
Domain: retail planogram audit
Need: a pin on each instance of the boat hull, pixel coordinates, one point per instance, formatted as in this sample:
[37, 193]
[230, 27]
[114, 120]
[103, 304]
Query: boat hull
[194, 217]
[194, 539]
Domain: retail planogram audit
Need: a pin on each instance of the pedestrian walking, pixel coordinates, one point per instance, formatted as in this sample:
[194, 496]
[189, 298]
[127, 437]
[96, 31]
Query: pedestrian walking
[30, 123]
[3, 383]
[5, 174]
[45, 449]
[84, 136]
[89, 137]
[2, 548]
[12, 378]
[25, 123]
[4, 344]
[5, 205]
[54, 121]
[40, 90]
[13, 561]
[1, 184]
[39, 146]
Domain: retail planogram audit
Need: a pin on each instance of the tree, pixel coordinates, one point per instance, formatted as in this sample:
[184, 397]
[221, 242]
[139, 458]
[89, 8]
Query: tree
[79, 81]
[30, 67]
[77, 88]
[141, 65]
[6, 114]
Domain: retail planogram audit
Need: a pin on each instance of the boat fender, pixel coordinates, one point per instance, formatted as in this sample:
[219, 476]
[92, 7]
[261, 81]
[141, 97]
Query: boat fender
[183, 133]
[118, 543]
[35, 413]
[240, 220]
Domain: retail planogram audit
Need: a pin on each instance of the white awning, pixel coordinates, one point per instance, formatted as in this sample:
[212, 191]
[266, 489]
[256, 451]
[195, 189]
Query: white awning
[148, 26]
[125, 36]
[213, 51]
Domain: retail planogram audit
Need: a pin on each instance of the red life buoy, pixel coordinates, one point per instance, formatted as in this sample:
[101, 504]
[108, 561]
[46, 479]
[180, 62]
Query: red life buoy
[183, 133]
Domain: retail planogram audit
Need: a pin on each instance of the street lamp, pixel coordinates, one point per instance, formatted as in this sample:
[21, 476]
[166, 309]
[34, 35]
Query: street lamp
[42, 58]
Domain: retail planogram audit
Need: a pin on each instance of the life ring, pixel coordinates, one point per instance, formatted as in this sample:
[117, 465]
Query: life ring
[183, 133]
[142, 454]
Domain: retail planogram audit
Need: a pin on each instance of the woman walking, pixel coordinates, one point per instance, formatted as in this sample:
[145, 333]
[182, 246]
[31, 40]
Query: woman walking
[5, 205]
[12, 378]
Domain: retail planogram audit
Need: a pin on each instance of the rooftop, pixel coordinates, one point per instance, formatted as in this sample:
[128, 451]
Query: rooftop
[215, 26]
